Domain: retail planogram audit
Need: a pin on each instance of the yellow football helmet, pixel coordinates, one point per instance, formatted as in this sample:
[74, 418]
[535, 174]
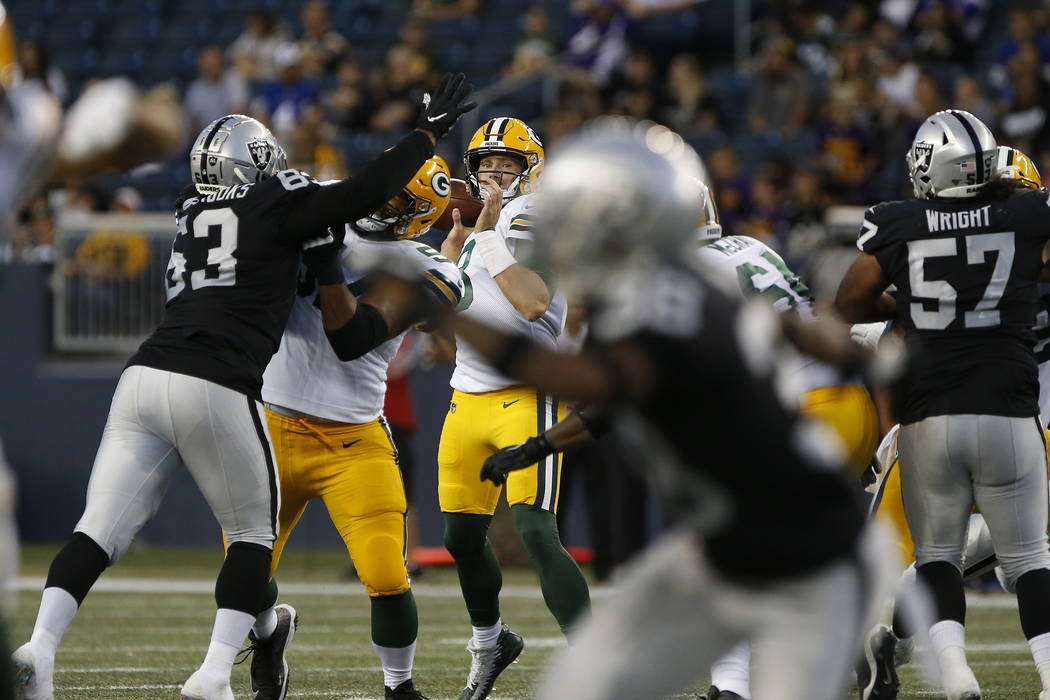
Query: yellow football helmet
[709, 228]
[505, 136]
[1014, 165]
[415, 209]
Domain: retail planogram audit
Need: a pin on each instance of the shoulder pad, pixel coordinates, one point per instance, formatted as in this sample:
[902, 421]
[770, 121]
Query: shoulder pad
[877, 225]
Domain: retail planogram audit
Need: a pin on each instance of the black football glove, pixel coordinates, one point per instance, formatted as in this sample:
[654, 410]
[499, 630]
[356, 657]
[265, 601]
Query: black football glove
[444, 108]
[322, 257]
[509, 459]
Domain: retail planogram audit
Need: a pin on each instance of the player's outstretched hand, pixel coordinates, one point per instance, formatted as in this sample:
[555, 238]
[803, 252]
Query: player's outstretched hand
[509, 459]
[322, 257]
[444, 108]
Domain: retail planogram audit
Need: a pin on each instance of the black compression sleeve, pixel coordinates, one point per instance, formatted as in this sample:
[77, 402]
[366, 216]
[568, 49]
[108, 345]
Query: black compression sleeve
[365, 331]
[358, 196]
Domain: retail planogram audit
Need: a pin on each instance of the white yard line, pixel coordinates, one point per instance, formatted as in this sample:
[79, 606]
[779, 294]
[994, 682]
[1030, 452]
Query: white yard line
[420, 590]
[207, 587]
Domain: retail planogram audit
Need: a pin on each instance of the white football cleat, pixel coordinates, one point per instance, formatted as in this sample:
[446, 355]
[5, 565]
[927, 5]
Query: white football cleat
[1045, 695]
[202, 686]
[960, 683]
[34, 676]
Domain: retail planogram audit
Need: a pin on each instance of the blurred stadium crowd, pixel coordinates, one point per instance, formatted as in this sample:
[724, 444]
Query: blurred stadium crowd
[806, 106]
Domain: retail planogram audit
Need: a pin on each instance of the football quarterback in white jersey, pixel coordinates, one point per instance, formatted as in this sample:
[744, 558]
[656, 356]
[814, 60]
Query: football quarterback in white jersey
[324, 410]
[489, 411]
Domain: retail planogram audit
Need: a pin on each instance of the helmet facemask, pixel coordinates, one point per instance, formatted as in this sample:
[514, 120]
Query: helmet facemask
[390, 221]
[475, 175]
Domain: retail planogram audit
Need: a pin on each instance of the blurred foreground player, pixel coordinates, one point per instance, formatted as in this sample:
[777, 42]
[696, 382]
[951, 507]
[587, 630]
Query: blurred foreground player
[191, 394]
[37, 140]
[324, 409]
[965, 256]
[771, 546]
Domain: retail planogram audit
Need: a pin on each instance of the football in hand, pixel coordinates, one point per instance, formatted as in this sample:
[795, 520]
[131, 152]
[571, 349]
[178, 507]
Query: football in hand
[469, 208]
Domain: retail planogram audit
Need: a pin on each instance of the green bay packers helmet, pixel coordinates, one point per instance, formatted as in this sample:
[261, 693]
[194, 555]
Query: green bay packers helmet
[234, 150]
[1013, 165]
[709, 229]
[952, 155]
[510, 137]
[424, 198]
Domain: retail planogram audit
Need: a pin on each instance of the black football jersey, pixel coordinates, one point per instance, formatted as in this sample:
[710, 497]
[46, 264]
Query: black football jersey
[231, 280]
[966, 273]
[727, 451]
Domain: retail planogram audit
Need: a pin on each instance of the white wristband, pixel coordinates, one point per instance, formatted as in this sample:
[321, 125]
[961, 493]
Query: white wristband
[494, 251]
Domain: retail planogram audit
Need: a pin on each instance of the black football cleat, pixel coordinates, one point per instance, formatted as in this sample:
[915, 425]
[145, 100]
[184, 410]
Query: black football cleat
[715, 694]
[404, 691]
[270, 673]
[877, 672]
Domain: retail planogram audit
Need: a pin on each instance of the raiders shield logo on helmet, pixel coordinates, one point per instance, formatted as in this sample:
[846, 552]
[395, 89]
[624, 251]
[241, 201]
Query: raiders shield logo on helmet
[261, 153]
[923, 152]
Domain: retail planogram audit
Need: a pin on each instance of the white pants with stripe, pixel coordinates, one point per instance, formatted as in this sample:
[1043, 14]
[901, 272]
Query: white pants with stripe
[672, 616]
[160, 420]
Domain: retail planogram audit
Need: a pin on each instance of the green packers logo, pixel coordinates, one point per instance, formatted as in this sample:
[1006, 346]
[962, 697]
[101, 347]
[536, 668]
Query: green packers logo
[441, 184]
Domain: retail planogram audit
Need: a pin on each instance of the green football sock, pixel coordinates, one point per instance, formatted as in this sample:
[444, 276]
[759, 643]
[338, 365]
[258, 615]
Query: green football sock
[564, 587]
[480, 578]
[394, 620]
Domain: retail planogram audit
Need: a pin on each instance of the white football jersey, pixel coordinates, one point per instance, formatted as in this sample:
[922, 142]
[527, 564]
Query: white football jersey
[483, 301]
[749, 267]
[305, 374]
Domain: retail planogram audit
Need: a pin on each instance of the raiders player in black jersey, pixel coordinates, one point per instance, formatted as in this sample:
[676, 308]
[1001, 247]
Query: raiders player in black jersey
[191, 394]
[965, 256]
[690, 371]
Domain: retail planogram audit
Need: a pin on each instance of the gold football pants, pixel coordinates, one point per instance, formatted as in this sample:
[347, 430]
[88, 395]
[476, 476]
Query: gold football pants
[850, 412]
[479, 424]
[353, 469]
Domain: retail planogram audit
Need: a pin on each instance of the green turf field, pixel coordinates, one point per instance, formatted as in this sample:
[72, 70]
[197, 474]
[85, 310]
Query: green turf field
[137, 642]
